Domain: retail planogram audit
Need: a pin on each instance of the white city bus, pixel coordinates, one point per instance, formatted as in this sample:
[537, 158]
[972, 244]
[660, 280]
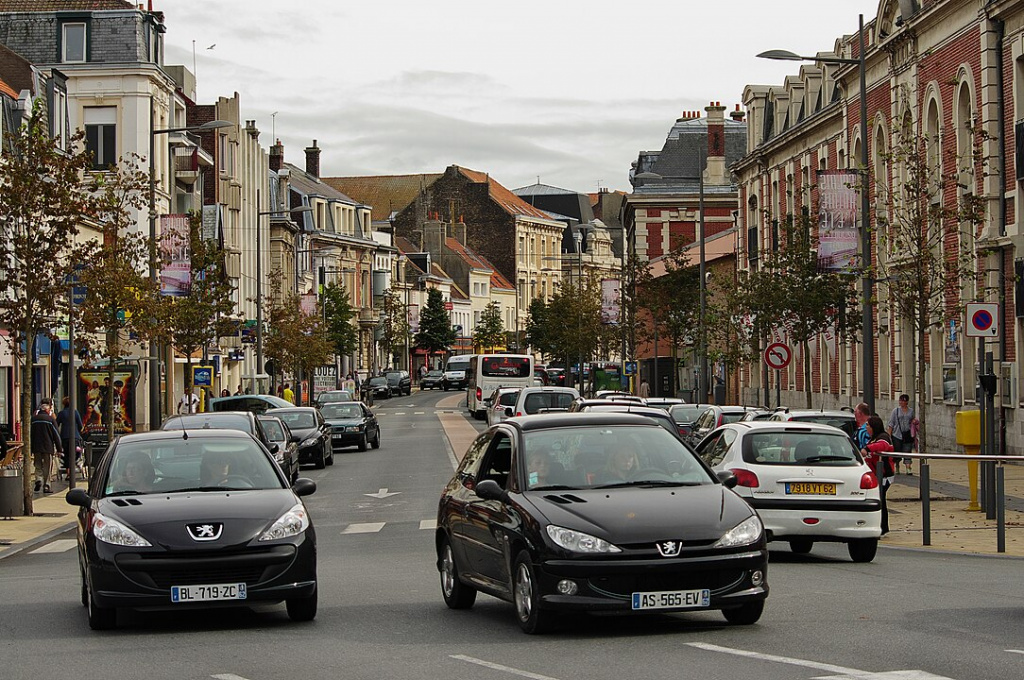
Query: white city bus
[488, 372]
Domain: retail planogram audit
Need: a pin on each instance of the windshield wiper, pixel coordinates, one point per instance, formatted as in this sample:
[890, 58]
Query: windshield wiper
[125, 493]
[555, 487]
[646, 482]
[819, 459]
[202, 488]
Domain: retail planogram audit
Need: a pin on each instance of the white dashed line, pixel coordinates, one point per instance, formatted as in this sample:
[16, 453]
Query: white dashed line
[418, 413]
[364, 528]
[62, 545]
[499, 667]
[428, 524]
[837, 672]
[228, 676]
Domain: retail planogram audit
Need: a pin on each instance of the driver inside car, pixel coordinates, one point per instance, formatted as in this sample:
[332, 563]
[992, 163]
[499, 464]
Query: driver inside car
[216, 468]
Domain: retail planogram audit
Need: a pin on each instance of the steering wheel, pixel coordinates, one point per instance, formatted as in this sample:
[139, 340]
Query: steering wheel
[238, 481]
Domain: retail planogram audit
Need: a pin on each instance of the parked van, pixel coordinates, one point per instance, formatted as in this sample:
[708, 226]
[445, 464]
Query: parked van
[456, 372]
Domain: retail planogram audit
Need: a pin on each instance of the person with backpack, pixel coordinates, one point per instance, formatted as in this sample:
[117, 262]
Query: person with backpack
[903, 432]
[879, 443]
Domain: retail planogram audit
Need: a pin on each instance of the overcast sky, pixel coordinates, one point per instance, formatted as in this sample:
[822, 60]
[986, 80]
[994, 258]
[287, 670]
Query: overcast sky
[567, 90]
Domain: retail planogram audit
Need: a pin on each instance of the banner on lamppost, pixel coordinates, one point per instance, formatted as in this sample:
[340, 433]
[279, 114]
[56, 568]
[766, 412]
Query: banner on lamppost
[414, 318]
[176, 252]
[837, 219]
[307, 303]
[610, 298]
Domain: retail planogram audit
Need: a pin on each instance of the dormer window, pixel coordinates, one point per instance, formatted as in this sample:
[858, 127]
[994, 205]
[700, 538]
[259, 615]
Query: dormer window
[73, 42]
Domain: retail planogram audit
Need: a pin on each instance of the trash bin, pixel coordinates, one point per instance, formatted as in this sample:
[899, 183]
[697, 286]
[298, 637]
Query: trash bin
[12, 496]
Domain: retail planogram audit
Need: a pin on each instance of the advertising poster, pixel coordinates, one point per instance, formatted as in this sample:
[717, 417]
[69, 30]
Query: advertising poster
[837, 219]
[308, 304]
[176, 271]
[325, 379]
[610, 292]
[95, 389]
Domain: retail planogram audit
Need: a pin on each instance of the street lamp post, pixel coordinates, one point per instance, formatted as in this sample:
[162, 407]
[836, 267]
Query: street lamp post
[868, 364]
[154, 357]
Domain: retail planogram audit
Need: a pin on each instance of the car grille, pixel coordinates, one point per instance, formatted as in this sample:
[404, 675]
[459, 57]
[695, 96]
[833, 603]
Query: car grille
[623, 586]
[164, 571]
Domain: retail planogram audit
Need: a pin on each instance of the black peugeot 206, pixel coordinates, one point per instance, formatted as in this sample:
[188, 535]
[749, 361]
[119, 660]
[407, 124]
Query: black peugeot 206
[183, 519]
[597, 513]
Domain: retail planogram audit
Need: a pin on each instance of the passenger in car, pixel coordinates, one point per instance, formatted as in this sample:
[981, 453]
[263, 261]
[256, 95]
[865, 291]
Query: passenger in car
[622, 464]
[137, 474]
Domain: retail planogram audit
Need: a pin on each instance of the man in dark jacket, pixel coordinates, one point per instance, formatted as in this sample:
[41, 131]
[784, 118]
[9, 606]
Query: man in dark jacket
[69, 425]
[45, 442]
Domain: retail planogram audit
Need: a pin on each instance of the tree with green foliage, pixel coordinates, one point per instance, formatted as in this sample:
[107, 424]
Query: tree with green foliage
[394, 324]
[436, 333]
[339, 314]
[490, 331]
[42, 201]
[537, 327]
[294, 339]
[574, 326]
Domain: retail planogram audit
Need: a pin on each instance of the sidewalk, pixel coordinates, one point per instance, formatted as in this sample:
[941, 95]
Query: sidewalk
[52, 516]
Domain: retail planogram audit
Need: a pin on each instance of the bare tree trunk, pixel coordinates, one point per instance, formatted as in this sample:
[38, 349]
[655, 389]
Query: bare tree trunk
[26, 423]
[112, 358]
[807, 371]
[921, 385]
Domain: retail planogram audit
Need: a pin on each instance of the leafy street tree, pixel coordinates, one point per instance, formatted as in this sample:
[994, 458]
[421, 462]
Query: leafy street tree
[537, 327]
[338, 312]
[436, 333]
[927, 231]
[192, 321]
[294, 339]
[394, 324]
[42, 200]
[490, 331]
[574, 326]
[120, 299]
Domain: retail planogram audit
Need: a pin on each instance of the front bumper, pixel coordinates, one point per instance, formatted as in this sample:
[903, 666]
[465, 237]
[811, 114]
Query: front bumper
[342, 439]
[608, 585]
[127, 577]
[310, 454]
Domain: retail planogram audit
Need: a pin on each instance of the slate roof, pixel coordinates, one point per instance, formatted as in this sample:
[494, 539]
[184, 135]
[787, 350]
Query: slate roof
[679, 163]
[505, 199]
[63, 5]
[386, 194]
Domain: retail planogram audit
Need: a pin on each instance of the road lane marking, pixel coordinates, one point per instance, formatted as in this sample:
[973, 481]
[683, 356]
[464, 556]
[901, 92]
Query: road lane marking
[382, 493]
[499, 667]
[59, 546]
[418, 413]
[228, 676]
[428, 524]
[1014, 651]
[840, 672]
[364, 528]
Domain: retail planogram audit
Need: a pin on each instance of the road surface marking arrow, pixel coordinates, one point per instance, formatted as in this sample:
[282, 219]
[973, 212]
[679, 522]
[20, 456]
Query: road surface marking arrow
[383, 493]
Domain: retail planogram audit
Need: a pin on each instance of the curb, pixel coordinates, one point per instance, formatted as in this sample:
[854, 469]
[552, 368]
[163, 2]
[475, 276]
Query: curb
[33, 542]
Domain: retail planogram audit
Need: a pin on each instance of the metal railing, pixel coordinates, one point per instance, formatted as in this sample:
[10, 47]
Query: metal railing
[992, 488]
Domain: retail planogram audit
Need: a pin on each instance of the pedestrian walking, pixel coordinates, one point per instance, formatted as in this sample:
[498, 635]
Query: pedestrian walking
[189, 402]
[288, 394]
[69, 427]
[645, 389]
[902, 430]
[45, 443]
[238, 390]
[879, 443]
[860, 416]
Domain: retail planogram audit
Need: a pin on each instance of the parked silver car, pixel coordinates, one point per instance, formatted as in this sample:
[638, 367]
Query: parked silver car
[500, 402]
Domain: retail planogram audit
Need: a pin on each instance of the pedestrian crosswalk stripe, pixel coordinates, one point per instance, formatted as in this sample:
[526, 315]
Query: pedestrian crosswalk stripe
[364, 528]
[62, 545]
[428, 524]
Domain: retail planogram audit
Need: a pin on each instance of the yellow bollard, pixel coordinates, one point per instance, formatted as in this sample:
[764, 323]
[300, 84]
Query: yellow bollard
[968, 435]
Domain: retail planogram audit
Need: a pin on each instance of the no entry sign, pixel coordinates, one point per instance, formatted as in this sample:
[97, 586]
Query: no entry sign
[982, 320]
[777, 356]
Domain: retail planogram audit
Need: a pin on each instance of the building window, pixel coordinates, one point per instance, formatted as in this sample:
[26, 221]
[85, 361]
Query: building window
[59, 119]
[73, 43]
[101, 135]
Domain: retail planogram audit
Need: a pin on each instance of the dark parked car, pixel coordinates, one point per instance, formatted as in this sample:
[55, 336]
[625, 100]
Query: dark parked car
[332, 396]
[352, 424]
[556, 376]
[287, 454]
[376, 388]
[685, 415]
[256, 403]
[242, 421]
[713, 417]
[399, 382]
[432, 380]
[310, 432]
[844, 418]
[608, 406]
[596, 513]
[206, 520]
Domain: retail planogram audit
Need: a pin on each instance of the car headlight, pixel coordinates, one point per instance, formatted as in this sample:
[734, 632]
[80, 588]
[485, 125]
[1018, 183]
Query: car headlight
[747, 531]
[310, 441]
[111, 531]
[577, 541]
[354, 428]
[291, 523]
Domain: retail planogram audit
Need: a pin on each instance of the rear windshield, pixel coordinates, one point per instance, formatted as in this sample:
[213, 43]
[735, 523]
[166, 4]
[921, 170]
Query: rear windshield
[506, 367]
[845, 424]
[799, 448]
[732, 417]
[508, 399]
[685, 413]
[298, 421]
[540, 400]
[198, 421]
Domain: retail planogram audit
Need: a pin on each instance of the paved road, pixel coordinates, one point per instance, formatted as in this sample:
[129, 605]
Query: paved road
[381, 615]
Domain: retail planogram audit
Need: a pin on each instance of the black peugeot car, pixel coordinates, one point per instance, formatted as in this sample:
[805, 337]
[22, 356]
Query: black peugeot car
[600, 512]
[193, 518]
[311, 432]
[352, 424]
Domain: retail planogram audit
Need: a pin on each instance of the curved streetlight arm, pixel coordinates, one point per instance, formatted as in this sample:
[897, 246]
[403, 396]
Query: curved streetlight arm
[786, 55]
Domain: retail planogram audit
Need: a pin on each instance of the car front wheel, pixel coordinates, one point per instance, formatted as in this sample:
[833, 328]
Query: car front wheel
[526, 596]
[457, 595]
[101, 618]
[801, 546]
[329, 456]
[362, 442]
[376, 440]
[321, 460]
[744, 615]
[863, 549]
[302, 608]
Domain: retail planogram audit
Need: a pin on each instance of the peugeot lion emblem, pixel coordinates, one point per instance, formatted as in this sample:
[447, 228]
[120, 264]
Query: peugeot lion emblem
[209, 531]
[669, 548]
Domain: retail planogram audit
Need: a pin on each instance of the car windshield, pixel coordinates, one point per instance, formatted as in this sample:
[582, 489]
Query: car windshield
[686, 413]
[340, 411]
[209, 421]
[194, 464]
[609, 457]
[379, 380]
[298, 420]
[328, 397]
[792, 447]
[434, 374]
[275, 432]
[536, 401]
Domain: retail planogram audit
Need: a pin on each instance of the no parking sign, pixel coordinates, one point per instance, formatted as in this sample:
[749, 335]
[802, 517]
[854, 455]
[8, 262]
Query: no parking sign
[982, 320]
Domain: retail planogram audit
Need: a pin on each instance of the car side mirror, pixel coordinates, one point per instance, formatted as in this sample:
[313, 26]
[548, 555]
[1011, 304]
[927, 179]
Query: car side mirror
[727, 478]
[78, 497]
[295, 438]
[304, 487]
[508, 411]
[490, 490]
[275, 447]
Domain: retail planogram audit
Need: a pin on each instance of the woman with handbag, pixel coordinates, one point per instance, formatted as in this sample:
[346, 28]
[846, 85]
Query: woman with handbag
[901, 429]
[874, 452]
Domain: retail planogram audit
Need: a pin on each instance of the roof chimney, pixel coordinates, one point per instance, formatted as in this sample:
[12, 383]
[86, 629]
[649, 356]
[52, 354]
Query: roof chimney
[313, 160]
[716, 173]
[736, 115]
[277, 156]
